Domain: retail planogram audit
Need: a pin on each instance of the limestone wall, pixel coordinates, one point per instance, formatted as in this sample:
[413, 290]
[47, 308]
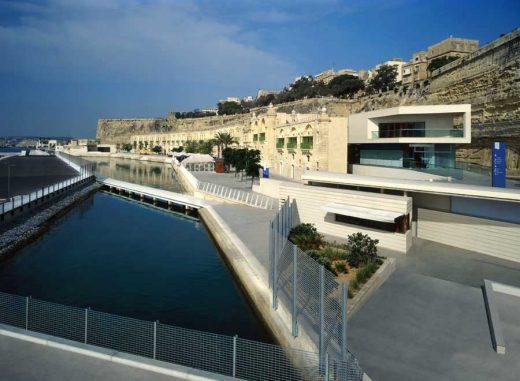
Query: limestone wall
[488, 79]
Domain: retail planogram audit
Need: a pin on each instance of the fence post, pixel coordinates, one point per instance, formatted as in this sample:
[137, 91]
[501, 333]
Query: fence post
[322, 314]
[275, 281]
[235, 356]
[27, 312]
[154, 338]
[271, 252]
[326, 376]
[294, 293]
[344, 295]
[86, 323]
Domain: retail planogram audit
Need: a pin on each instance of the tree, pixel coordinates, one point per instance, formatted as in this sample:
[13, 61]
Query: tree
[191, 146]
[384, 79]
[345, 85]
[252, 164]
[126, 147]
[206, 146]
[223, 140]
[157, 149]
[440, 62]
[229, 108]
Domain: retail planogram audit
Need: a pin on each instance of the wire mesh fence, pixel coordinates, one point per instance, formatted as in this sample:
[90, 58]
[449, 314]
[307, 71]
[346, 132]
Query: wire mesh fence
[226, 355]
[316, 302]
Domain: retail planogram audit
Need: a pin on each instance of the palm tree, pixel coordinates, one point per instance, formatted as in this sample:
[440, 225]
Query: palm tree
[223, 140]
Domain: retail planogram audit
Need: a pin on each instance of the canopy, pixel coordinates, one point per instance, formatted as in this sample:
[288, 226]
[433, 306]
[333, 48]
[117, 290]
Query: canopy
[198, 158]
[361, 212]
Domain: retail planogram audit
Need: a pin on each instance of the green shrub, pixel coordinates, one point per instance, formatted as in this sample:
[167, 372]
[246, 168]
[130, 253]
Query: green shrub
[341, 268]
[326, 262]
[362, 275]
[350, 293]
[354, 284]
[333, 253]
[372, 268]
[306, 237]
[362, 249]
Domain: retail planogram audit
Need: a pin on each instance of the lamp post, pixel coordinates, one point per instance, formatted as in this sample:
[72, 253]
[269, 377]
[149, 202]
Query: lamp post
[9, 179]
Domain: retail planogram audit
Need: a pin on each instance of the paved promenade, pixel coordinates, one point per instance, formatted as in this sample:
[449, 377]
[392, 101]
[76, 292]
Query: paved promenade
[32, 172]
[251, 225]
[417, 327]
[25, 361]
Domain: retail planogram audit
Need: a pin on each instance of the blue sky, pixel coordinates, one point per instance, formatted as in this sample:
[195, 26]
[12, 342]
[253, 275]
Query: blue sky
[66, 63]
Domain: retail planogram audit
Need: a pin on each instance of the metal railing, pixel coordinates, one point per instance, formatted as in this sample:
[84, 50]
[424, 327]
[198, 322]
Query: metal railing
[314, 300]
[411, 133]
[20, 201]
[227, 355]
[306, 145]
[255, 200]
[291, 144]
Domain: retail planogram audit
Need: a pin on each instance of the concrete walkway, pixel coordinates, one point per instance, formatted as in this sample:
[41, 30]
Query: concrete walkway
[29, 173]
[456, 265]
[25, 361]
[417, 327]
[251, 225]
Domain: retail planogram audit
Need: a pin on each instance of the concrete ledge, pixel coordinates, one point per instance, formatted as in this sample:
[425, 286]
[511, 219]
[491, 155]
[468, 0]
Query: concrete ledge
[495, 327]
[368, 289]
[134, 361]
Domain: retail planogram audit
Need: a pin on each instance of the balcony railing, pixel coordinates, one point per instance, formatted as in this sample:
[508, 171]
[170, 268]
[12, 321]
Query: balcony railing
[410, 133]
[292, 145]
[306, 145]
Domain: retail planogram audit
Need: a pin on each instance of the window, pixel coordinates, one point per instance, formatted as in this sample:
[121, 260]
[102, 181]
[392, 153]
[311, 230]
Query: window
[401, 224]
[306, 142]
[401, 129]
[255, 137]
[280, 142]
[292, 143]
[262, 137]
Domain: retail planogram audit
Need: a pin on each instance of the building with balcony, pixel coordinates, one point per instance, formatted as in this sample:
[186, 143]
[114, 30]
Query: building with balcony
[423, 138]
[416, 69]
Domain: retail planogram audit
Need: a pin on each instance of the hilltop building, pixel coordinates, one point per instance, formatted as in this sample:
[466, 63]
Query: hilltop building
[452, 47]
[263, 93]
[328, 75]
[416, 69]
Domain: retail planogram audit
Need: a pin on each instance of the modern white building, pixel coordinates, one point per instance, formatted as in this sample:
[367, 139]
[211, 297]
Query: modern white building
[423, 138]
[476, 218]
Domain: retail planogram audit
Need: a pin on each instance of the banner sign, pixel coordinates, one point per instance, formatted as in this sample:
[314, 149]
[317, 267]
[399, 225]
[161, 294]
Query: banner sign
[498, 166]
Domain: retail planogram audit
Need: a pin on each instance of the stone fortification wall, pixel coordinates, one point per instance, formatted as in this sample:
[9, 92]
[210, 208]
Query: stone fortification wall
[488, 79]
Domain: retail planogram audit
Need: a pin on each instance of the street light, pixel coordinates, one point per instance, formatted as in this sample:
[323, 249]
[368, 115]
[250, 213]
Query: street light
[9, 179]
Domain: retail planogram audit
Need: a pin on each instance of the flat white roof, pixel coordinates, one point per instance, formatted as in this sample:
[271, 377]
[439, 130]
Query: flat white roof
[422, 109]
[450, 189]
[361, 212]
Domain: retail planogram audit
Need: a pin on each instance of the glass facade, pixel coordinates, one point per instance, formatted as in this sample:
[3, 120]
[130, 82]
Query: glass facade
[432, 158]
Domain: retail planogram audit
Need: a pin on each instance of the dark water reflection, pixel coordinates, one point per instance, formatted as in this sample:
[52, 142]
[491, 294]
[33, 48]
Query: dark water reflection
[122, 257]
[156, 175]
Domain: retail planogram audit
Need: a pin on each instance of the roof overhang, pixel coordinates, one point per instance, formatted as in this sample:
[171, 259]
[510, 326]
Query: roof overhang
[421, 186]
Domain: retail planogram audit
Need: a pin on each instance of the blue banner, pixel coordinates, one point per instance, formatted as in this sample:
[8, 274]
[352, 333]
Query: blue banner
[498, 166]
